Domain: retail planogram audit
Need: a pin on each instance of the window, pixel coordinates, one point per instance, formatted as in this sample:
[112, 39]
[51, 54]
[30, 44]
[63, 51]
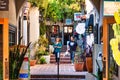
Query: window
[12, 35]
[68, 29]
[55, 31]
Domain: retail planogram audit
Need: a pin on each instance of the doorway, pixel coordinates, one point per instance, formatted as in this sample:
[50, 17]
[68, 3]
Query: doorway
[107, 52]
[68, 31]
[1, 51]
[4, 47]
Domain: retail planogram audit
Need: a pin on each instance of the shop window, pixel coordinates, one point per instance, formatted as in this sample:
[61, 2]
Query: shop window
[55, 30]
[19, 28]
[68, 29]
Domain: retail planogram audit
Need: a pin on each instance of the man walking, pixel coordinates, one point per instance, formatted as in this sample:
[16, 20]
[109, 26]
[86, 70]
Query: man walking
[72, 46]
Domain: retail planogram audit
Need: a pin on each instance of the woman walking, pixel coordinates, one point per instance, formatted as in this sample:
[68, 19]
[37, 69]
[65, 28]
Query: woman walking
[57, 48]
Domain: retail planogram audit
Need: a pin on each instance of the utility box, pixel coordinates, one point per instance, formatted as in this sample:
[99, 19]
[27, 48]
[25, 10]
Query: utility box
[97, 57]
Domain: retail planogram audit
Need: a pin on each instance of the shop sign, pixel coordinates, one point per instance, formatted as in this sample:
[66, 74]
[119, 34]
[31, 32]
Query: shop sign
[68, 21]
[77, 16]
[4, 5]
[80, 28]
[110, 7]
[23, 75]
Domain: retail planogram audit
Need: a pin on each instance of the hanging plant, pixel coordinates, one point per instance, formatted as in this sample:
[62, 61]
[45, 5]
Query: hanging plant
[42, 28]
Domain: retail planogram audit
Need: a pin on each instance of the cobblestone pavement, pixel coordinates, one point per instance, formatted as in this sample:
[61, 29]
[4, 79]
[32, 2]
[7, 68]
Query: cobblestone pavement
[51, 69]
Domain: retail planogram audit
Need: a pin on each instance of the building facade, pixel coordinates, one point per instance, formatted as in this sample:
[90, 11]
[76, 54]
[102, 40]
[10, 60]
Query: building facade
[16, 19]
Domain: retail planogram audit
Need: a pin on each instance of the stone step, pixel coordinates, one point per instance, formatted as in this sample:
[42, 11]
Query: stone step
[55, 77]
[63, 58]
[61, 62]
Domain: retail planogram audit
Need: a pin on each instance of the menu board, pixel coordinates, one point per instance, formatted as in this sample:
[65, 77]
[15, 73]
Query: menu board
[4, 5]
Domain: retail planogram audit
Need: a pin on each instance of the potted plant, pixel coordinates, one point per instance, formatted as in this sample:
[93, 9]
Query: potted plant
[88, 59]
[43, 60]
[16, 58]
[42, 49]
[79, 61]
[32, 60]
[99, 74]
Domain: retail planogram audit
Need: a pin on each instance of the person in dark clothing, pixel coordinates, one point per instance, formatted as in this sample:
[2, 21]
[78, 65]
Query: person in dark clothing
[72, 47]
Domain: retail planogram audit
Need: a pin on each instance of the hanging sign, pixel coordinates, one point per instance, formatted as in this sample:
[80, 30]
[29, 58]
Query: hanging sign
[77, 16]
[68, 21]
[4, 5]
[80, 28]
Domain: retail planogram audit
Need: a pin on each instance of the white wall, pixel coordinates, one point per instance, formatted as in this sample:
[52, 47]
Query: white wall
[34, 24]
[34, 28]
[12, 12]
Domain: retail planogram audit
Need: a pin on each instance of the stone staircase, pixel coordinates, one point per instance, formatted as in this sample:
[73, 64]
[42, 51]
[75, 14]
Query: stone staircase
[64, 59]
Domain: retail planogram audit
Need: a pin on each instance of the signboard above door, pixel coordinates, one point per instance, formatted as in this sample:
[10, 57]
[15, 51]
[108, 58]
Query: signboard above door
[4, 5]
[110, 6]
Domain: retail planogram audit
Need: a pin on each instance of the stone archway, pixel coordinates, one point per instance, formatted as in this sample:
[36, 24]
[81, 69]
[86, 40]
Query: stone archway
[95, 3]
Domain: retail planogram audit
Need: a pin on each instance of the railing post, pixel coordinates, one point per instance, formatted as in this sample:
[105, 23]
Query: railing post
[58, 59]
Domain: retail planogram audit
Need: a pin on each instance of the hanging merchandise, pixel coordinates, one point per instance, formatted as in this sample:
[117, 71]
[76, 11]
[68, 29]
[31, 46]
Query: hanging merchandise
[115, 42]
[80, 28]
[91, 20]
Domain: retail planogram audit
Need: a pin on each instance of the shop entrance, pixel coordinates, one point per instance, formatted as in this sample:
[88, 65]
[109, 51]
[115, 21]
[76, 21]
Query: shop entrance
[68, 31]
[4, 49]
[1, 51]
[108, 61]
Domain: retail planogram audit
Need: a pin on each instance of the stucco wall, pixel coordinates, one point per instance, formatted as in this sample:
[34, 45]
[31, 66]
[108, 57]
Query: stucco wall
[34, 24]
[34, 28]
[3, 14]
[12, 12]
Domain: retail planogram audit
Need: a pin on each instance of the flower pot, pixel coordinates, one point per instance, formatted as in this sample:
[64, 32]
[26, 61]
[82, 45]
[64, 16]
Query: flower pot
[89, 65]
[47, 58]
[32, 62]
[79, 66]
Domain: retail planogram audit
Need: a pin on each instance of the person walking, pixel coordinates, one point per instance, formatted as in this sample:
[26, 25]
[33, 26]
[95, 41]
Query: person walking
[57, 48]
[72, 47]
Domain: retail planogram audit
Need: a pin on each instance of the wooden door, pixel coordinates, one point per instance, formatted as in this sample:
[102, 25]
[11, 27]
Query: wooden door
[4, 47]
[107, 21]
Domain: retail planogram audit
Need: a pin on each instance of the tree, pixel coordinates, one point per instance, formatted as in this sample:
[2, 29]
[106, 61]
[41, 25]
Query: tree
[56, 10]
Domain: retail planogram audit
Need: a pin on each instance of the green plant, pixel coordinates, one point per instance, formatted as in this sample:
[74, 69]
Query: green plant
[99, 73]
[42, 47]
[16, 57]
[42, 60]
[80, 55]
[1, 71]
